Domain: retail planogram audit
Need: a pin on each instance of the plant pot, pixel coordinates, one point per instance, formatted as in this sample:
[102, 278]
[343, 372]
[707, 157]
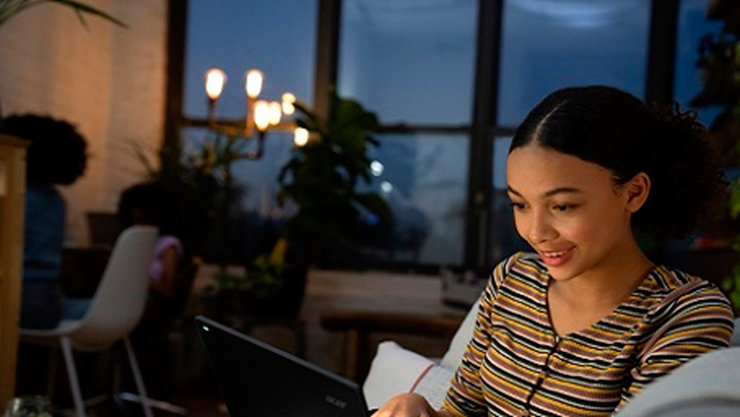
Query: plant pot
[285, 302]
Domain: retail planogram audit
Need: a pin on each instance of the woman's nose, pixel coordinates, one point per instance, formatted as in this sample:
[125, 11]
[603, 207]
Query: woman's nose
[541, 229]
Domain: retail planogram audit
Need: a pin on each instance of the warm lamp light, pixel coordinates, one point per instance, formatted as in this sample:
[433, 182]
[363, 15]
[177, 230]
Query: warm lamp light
[288, 100]
[300, 136]
[275, 112]
[215, 80]
[261, 115]
[253, 84]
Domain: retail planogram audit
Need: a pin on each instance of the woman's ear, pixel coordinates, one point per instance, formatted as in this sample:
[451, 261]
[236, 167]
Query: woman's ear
[636, 191]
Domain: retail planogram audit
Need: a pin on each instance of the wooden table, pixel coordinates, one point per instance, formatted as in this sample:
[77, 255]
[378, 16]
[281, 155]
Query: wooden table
[359, 324]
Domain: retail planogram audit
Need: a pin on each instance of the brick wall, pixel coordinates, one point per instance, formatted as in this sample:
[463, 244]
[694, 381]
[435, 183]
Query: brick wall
[106, 80]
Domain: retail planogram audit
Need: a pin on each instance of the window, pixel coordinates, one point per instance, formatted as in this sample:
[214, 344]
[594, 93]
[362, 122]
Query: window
[692, 26]
[412, 63]
[409, 61]
[424, 181]
[279, 38]
[548, 45]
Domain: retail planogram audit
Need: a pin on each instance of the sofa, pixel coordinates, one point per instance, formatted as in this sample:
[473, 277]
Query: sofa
[708, 386]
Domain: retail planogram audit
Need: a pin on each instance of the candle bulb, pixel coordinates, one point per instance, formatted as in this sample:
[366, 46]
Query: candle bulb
[253, 84]
[215, 80]
[261, 115]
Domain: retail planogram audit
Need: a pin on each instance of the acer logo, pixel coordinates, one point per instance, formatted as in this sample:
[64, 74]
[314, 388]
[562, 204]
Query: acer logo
[336, 402]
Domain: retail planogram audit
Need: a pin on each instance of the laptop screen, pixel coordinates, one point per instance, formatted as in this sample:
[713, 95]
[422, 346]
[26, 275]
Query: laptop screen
[259, 380]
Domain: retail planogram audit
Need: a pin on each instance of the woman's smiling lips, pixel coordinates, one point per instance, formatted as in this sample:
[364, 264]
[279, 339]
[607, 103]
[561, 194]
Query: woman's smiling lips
[556, 258]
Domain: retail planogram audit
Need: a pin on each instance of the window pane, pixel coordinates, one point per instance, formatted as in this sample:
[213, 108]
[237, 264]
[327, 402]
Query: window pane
[425, 182]
[255, 215]
[692, 26]
[278, 37]
[506, 240]
[548, 44]
[409, 60]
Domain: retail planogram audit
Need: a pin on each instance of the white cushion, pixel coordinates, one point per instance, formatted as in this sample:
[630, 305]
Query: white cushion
[396, 370]
[434, 385]
[735, 341]
[710, 381]
[453, 356]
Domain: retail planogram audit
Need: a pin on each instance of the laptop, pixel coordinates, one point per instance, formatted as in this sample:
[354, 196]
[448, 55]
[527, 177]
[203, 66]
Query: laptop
[259, 380]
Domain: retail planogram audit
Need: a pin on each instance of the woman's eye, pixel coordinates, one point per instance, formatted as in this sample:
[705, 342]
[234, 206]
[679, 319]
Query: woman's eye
[564, 207]
[516, 206]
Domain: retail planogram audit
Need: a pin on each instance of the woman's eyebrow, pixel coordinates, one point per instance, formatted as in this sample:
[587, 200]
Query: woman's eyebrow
[513, 191]
[550, 193]
[560, 190]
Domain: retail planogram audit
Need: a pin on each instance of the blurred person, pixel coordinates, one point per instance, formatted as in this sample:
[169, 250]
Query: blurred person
[56, 156]
[153, 204]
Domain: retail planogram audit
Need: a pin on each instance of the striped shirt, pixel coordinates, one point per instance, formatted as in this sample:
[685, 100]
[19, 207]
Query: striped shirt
[516, 365]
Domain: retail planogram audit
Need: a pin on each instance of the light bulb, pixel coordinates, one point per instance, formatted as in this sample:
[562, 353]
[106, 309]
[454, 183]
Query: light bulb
[288, 108]
[253, 84]
[300, 136]
[376, 168]
[386, 186]
[275, 112]
[288, 100]
[261, 115]
[215, 80]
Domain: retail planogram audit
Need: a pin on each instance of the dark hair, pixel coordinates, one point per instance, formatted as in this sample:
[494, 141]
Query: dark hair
[619, 132]
[57, 153]
[157, 201]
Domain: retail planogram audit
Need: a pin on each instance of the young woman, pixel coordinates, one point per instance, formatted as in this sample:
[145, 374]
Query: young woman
[586, 321]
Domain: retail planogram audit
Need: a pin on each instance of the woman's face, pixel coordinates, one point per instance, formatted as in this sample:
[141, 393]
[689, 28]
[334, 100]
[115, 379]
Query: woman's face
[569, 210]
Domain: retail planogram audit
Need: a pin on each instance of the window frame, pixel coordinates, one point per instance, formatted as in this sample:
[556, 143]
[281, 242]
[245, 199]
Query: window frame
[480, 248]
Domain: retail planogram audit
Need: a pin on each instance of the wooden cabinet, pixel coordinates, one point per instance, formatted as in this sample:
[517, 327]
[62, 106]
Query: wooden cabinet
[12, 192]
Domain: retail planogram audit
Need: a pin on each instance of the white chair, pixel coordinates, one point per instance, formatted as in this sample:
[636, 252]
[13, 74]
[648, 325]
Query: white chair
[114, 311]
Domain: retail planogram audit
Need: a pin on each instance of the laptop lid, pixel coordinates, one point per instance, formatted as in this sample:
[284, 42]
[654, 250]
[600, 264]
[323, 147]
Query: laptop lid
[259, 380]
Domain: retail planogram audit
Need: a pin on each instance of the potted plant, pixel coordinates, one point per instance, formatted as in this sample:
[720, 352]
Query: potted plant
[320, 185]
[321, 180]
[719, 62]
[202, 180]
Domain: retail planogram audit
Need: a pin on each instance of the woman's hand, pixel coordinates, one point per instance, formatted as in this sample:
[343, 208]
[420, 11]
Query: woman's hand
[408, 405]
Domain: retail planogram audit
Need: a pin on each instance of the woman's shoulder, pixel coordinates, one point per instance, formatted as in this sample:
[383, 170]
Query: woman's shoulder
[664, 281]
[523, 265]
[525, 262]
[165, 242]
[670, 286]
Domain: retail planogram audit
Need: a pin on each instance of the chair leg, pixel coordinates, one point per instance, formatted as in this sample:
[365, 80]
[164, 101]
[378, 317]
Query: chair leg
[53, 365]
[74, 383]
[137, 377]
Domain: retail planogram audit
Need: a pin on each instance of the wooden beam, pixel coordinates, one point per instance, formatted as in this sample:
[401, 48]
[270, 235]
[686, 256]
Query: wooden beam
[12, 205]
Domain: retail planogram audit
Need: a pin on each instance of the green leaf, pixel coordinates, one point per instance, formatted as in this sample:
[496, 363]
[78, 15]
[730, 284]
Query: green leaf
[10, 8]
[81, 8]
